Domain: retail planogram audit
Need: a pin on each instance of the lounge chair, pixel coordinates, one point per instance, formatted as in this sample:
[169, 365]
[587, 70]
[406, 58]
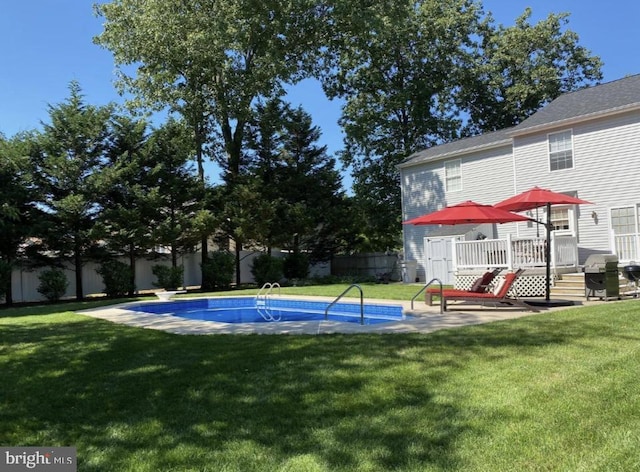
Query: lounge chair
[498, 296]
[480, 285]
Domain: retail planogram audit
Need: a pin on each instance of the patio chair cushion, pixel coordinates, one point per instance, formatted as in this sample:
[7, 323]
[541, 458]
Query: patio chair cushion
[499, 286]
[499, 296]
[481, 284]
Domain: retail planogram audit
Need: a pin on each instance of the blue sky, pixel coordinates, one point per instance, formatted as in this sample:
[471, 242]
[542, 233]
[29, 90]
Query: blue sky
[45, 44]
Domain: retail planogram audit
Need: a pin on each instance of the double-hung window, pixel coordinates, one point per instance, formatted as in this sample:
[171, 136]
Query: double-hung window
[560, 150]
[453, 175]
[561, 219]
[623, 220]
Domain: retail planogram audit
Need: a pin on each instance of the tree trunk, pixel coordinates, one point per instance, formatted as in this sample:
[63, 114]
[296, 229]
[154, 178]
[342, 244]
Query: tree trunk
[132, 265]
[238, 249]
[8, 295]
[205, 284]
[78, 268]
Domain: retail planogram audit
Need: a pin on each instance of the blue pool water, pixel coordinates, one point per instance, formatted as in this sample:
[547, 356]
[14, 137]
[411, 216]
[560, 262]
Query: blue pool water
[247, 310]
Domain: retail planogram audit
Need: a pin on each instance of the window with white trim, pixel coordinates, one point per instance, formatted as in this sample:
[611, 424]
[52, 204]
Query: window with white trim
[560, 150]
[560, 219]
[564, 220]
[623, 220]
[453, 175]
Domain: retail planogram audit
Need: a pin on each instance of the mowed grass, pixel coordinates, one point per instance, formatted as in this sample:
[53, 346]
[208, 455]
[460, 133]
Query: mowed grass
[393, 291]
[553, 391]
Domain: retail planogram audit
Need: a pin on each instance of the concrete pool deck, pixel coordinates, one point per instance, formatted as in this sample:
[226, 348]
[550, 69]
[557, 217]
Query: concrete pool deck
[426, 319]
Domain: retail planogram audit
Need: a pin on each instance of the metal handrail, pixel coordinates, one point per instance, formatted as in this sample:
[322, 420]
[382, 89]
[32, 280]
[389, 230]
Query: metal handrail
[267, 315]
[268, 301]
[425, 287]
[326, 312]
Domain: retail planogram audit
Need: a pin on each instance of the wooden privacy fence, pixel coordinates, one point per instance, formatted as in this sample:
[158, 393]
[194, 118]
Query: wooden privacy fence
[374, 264]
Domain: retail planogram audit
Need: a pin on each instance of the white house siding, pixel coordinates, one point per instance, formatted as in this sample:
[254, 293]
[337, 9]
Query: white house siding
[606, 156]
[487, 177]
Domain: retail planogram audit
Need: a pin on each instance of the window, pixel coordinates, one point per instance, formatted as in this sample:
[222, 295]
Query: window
[560, 220]
[560, 151]
[623, 220]
[453, 175]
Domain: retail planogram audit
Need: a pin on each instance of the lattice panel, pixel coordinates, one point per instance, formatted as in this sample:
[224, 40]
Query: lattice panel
[526, 285]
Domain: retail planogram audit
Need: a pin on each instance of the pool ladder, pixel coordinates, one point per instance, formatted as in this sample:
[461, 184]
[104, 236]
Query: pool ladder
[326, 312]
[263, 302]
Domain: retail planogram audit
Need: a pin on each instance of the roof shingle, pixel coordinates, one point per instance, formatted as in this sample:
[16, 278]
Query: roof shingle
[604, 98]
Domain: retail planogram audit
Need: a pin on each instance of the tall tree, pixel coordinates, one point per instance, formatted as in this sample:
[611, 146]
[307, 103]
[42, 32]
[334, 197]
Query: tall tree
[68, 164]
[397, 65]
[517, 70]
[125, 192]
[416, 73]
[209, 60]
[175, 189]
[298, 180]
[18, 214]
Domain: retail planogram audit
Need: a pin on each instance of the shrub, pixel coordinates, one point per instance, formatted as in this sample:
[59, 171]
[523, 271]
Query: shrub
[296, 266]
[53, 284]
[218, 270]
[169, 278]
[117, 278]
[266, 268]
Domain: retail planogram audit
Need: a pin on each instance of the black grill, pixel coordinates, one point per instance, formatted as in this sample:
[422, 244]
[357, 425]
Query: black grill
[601, 276]
[632, 274]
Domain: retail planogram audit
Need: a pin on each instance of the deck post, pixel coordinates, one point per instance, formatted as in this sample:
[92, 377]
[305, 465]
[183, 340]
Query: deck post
[509, 252]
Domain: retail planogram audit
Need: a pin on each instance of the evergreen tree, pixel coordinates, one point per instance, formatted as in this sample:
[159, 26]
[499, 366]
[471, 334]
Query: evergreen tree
[299, 181]
[174, 189]
[69, 162]
[18, 214]
[125, 193]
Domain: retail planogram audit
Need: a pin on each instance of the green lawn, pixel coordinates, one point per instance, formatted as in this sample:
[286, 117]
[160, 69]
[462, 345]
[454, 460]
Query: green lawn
[555, 391]
[393, 291]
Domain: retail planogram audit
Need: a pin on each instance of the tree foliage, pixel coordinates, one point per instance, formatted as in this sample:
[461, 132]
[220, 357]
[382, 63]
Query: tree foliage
[175, 192]
[69, 160]
[298, 180]
[516, 70]
[414, 74]
[125, 195]
[209, 60]
[18, 214]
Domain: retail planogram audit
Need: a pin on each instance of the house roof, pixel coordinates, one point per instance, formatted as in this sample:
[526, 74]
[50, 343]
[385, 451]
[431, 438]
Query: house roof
[592, 102]
[461, 146]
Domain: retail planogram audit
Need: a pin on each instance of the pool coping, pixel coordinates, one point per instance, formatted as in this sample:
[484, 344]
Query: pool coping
[425, 319]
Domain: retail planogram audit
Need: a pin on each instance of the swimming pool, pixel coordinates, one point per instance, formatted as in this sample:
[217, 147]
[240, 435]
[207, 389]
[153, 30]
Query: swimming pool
[249, 310]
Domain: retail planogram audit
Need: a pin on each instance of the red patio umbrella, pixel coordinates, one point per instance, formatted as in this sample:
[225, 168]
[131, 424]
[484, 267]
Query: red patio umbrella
[538, 197]
[467, 212]
[535, 198]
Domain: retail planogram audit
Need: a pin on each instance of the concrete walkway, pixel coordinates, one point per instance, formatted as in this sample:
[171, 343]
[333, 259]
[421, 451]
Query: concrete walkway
[425, 319]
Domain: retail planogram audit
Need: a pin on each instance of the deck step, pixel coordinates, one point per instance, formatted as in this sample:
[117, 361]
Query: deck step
[571, 286]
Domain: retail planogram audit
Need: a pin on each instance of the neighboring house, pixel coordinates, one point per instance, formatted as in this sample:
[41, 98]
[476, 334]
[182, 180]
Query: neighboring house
[584, 143]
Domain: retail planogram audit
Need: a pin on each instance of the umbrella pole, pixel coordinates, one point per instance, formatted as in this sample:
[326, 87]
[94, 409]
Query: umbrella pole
[548, 254]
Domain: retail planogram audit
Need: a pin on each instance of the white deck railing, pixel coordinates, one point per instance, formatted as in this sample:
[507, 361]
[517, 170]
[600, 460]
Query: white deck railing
[515, 253]
[627, 247]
